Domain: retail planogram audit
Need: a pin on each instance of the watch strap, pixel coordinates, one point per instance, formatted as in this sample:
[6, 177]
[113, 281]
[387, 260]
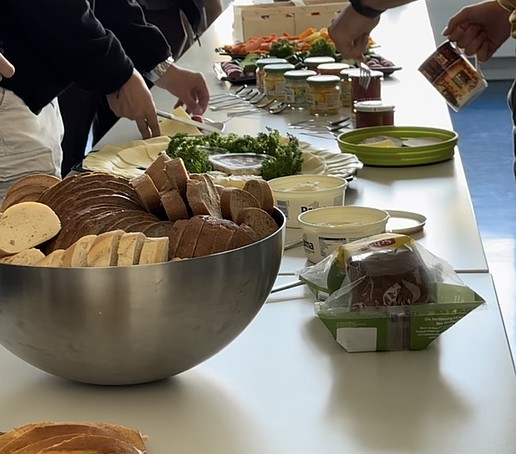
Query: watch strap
[159, 70]
[364, 10]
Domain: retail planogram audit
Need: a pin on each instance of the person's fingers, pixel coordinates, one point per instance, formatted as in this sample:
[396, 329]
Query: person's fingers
[484, 52]
[143, 127]
[6, 68]
[153, 125]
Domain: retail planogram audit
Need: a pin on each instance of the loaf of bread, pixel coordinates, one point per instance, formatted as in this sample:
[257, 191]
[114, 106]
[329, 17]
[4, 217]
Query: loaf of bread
[80, 438]
[26, 225]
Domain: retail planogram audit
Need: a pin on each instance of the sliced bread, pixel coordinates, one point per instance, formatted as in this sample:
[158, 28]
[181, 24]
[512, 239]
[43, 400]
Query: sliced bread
[104, 250]
[157, 172]
[147, 192]
[154, 250]
[259, 220]
[32, 186]
[233, 200]
[130, 248]
[174, 205]
[75, 256]
[177, 175]
[26, 257]
[26, 225]
[261, 190]
[53, 260]
[203, 198]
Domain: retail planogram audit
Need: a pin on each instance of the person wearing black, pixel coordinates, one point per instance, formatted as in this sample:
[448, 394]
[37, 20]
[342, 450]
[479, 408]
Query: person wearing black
[106, 49]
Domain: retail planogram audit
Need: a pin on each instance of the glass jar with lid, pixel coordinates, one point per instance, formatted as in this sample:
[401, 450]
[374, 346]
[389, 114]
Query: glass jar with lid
[313, 62]
[324, 94]
[260, 64]
[345, 86]
[372, 91]
[373, 113]
[296, 87]
[333, 69]
[274, 80]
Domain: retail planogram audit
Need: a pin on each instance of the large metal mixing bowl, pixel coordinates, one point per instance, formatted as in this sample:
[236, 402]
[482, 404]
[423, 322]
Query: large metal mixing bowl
[129, 325]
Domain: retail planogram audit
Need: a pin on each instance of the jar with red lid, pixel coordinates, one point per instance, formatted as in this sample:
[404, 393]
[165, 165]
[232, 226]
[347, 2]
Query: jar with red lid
[372, 91]
[373, 113]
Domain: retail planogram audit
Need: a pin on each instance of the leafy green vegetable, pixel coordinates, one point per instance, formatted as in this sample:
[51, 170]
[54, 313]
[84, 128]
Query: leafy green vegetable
[282, 48]
[284, 156]
[322, 48]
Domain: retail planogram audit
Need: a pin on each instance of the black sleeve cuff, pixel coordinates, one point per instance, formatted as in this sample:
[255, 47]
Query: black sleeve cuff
[364, 10]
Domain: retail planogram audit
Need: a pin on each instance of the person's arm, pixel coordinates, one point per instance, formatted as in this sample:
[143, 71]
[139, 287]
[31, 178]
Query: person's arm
[6, 69]
[68, 33]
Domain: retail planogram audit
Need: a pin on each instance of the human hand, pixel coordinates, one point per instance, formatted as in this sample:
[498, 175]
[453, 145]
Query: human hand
[134, 101]
[188, 86]
[479, 29]
[350, 32]
[6, 68]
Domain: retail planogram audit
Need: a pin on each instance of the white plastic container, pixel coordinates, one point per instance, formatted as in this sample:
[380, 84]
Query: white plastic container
[297, 194]
[327, 228]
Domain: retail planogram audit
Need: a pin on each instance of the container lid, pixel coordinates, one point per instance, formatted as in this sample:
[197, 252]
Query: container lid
[315, 61]
[278, 68]
[300, 74]
[326, 79]
[269, 61]
[332, 67]
[373, 106]
[405, 222]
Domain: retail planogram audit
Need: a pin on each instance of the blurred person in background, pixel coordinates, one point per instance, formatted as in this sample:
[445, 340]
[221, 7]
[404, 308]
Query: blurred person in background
[54, 43]
[479, 29]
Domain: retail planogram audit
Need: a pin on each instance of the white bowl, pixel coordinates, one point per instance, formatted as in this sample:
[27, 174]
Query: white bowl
[324, 229]
[297, 194]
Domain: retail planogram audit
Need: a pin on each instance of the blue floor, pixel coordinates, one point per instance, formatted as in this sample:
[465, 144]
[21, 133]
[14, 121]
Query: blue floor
[486, 148]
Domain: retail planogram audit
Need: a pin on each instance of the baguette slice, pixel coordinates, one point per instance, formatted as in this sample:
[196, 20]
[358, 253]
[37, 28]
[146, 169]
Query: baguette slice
[33, 434]
[259, 220]
[26, 225]
[75, 255]
[130, 248]
[233, 200]
[154, 250]
[26, 257]
[53, 260]
[262, 192]
[104, 250]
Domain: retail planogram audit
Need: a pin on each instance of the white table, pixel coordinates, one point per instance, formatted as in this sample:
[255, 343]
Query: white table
[285, 386]
[439, 191]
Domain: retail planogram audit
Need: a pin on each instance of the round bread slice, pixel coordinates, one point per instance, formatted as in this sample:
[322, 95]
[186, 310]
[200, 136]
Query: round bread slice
[263, 193]
[259, 220]
[35, 184]
[174, 205]
[26, 225]
[233, 200]
[190, 237]
[28, 257]
[147, 192]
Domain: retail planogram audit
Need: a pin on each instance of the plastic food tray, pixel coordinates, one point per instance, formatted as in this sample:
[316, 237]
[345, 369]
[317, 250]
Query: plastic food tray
[442, 150]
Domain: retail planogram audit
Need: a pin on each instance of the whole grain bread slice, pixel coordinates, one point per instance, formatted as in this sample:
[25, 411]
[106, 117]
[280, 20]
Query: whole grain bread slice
[259, 220]
[261, 190]
[233, 200]
[147, 192]
[202, 199]
[177, 175]
[190, 237]
[174, 205]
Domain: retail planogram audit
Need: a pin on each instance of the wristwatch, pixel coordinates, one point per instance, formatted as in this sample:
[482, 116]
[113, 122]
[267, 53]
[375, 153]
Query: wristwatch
[364, 10]
[159, 70]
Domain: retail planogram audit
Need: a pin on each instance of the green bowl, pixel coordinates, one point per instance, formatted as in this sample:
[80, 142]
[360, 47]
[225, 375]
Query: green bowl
[441, 150]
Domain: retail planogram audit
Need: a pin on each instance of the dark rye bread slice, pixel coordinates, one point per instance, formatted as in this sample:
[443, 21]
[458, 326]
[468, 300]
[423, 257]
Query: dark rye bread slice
[233, 200]
[178, 229]
[243, 236]
[177, 175]
[174, 205]
[132, 216]
[259, 220]
[261, 190]
[147, 191]
[28, 188]
[72, 186]
[189, 238]
[203, 198]
[208, 236]
[156, 172]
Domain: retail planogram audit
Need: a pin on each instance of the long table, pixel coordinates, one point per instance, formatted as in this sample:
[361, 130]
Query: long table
[438, 191]
[284, 385]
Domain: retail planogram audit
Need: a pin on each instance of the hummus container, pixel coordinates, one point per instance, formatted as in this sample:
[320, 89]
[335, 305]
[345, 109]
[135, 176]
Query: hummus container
[297, 194]
[324, 229]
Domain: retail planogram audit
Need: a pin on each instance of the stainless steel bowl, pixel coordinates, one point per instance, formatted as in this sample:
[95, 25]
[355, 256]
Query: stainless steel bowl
[129, 325]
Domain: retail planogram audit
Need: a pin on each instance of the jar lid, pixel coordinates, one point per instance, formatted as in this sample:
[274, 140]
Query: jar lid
[269, 61]
[333, 67]
[315, 61]
[299, 74]
[373, 106]
[278, 68]
[326, 79]
[355, 72]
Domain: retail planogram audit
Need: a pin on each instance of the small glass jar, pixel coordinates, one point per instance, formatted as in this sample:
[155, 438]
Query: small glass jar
[260, 64]
[296, 87]
[345, 86]
[373, 113]
[313, 62]
[372, 91]
[274, 80]
[324, 94]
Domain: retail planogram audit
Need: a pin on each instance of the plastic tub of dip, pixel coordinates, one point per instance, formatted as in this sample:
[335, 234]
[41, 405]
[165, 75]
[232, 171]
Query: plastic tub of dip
[297, 194]
[324, 229]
